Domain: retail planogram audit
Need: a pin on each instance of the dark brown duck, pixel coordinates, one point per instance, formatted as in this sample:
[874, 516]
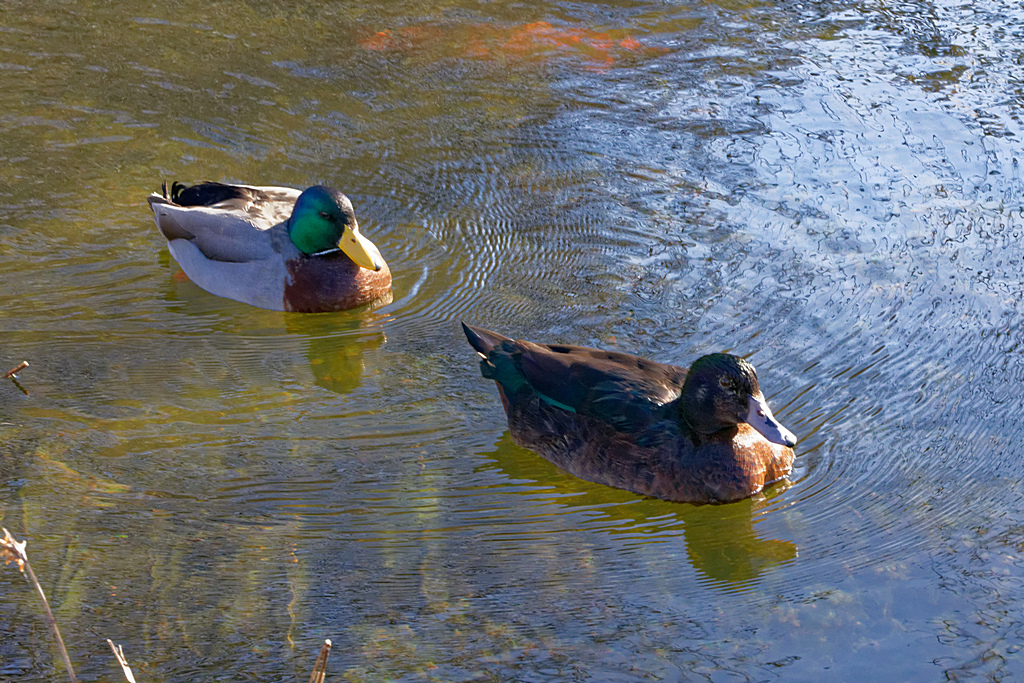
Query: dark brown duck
[702, 435]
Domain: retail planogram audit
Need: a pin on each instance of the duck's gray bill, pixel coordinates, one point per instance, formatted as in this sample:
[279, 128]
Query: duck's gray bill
[760, 418]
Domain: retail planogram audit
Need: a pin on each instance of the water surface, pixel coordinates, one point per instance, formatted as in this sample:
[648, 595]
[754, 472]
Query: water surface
[832, 191]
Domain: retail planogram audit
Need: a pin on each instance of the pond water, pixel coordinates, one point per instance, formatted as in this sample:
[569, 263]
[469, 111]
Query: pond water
[830, 189]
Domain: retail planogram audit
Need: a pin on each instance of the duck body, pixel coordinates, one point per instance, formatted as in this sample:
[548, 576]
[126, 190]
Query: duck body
[272, 247]
[702, 435]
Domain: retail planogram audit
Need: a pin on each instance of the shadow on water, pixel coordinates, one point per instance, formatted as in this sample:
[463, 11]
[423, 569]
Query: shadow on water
[721, 540]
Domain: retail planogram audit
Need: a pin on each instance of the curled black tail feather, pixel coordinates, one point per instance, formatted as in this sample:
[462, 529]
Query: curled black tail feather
[205, 194]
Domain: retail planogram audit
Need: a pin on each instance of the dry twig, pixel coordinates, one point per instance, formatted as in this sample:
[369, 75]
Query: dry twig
[320, 668]
[13, 551]
[12, 375]
[13, 372]
[119, 653]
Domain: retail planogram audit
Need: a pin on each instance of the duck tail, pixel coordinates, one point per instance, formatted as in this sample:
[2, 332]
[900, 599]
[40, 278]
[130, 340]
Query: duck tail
[483, 341]
[496, 352]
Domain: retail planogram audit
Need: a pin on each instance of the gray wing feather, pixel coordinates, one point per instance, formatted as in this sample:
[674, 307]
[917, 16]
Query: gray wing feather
[237, 248]
[231, 235]
[258, 283]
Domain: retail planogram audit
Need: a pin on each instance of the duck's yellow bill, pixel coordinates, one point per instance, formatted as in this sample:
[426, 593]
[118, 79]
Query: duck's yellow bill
[361, 250]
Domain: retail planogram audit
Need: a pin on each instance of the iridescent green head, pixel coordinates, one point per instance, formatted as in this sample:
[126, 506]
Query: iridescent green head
[323, 220]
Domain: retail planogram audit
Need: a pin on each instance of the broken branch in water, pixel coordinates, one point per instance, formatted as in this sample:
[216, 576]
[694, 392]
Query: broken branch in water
[320, 668]
[119, 653]
[13, 551]
[13, 372]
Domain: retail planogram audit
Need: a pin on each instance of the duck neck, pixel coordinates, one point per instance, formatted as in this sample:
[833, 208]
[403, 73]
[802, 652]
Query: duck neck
[691, 431]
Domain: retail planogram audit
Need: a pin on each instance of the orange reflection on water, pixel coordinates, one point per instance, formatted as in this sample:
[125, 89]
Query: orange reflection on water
[519, 42]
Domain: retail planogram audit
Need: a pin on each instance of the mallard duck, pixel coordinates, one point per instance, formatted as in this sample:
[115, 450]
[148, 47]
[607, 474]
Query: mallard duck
[272, 247]
[702, 435]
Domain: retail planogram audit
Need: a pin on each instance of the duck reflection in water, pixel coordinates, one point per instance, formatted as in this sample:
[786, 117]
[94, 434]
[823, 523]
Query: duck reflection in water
[703, 435]
[339, 344]
[721, 540]
[335, 345]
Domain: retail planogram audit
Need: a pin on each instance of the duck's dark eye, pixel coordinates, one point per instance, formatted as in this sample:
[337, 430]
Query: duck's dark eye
[726, 383]
[325, 215]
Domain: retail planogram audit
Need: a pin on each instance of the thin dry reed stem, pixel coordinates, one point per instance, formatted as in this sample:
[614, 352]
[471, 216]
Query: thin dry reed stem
[119, 653]
[320, 668]
[13, 551]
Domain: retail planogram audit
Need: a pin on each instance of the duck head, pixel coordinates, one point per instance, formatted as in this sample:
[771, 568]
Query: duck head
[721, 391]
[323, 220]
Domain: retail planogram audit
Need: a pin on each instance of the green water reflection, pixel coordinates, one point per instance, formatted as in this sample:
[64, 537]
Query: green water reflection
[720, 540]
